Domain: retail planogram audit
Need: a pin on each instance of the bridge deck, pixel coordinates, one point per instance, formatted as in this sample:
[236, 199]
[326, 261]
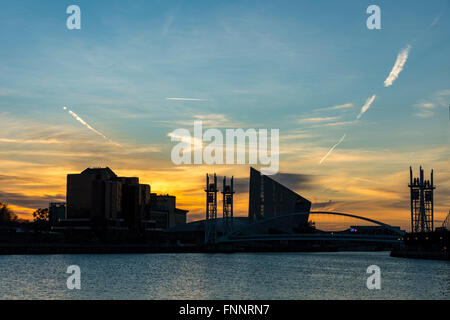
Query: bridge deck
[314, 237]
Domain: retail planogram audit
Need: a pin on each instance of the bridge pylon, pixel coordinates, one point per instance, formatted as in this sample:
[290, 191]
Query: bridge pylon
[211, 210]
[228, 193]
[422, 204]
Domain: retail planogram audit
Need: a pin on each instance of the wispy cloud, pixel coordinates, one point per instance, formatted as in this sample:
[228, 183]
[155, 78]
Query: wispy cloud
[425, 109]
[211, 120]
[442, 98]
[317, 120]
[338, 107]
[79, 119]
[186, 99]
[444, 92]
[398, 66]
[435, 21]
[30, 141]
[335, 124]
[332, 148]
[193, 142]
[297, 135]
[366, 106]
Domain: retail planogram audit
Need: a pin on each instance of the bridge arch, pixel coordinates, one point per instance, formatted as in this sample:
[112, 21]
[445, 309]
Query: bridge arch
[397, 231]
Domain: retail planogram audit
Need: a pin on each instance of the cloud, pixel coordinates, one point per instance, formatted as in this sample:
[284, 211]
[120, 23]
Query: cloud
[322, 205]
[193, 142]
[332, 148]
[425, 109]
[398, 66]
[294, 181]
[32, 202]
[443, 92]
[426, 105]
[442, 98]
[336, 124]
[297, 135]
[30, 141]
[435, 21]
[8, 179]
[338, 107]
[317, 120]
[79, 119]
[211, 120]
[366, 106]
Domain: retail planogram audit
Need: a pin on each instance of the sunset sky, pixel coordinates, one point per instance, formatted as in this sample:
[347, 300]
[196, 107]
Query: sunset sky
[138, 70]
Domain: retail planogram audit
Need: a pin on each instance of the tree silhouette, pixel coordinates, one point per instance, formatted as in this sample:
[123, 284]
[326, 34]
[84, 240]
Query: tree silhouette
[40, 215]
[6, 214]
[41, 219]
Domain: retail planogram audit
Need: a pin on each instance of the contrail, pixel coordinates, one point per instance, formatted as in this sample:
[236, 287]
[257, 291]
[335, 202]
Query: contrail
[332, 148]
[366, 106]
[398, 66]
[79, 119]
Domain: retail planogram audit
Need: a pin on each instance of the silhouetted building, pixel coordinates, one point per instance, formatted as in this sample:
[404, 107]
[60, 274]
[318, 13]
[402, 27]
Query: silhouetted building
[56, 212]
[94, 193]
[269, 198]
[97, 196]
[164, 211]
[135, 202]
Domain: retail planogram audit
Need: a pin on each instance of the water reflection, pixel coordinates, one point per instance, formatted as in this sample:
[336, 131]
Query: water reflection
[223, 276]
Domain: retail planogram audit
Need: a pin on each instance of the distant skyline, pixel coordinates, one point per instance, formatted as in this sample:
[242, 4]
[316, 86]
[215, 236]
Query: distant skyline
[355, 107]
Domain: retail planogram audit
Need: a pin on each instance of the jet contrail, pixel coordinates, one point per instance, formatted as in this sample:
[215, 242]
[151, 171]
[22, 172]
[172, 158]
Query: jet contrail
[398, 66]
[79, 119]
[332, 148]
[366, 106]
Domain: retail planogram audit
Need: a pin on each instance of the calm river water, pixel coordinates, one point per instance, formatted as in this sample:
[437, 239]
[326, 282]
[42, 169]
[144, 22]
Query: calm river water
[223, 276]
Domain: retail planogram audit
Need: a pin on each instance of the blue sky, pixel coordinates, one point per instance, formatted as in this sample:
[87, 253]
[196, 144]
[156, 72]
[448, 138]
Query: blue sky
[258, 64]
[274, 59]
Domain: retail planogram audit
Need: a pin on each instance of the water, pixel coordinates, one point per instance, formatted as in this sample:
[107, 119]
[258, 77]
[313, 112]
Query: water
[223, 276]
